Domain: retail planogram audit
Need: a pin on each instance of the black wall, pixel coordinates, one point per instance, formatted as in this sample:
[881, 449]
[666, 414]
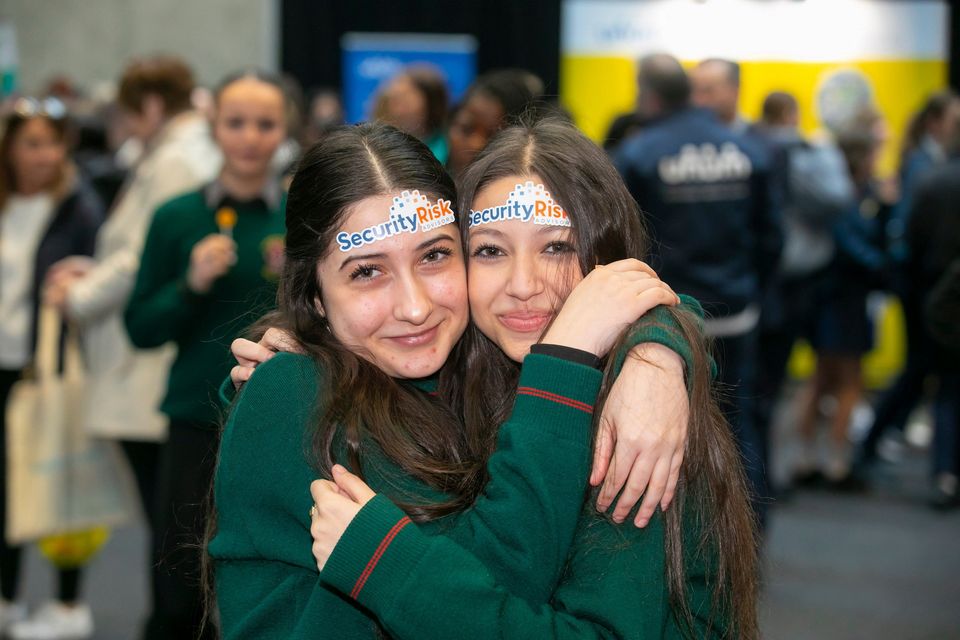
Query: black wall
[510, 33]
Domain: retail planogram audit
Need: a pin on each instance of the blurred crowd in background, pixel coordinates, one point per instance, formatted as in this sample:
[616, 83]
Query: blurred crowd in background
[800, 257]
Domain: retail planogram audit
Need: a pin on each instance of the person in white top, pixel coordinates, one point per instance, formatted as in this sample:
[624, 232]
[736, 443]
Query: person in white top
[45, 215]
[178, 156]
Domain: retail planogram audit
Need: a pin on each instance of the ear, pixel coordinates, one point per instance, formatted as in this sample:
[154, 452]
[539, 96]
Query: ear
[318, 304]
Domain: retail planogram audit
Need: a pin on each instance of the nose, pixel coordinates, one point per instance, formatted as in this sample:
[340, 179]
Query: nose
[413, 303]
[250, 133]
[525, 280]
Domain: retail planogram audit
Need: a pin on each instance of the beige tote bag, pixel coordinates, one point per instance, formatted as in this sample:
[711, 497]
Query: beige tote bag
[59, 478]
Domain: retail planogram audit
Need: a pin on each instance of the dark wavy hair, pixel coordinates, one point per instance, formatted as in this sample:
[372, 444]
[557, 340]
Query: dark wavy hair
[168, 77]
[421, 434]
[360, 404]
[606, 227]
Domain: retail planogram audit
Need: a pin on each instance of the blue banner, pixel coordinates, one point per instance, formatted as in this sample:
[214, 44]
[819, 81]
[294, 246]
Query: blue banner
[371, 59]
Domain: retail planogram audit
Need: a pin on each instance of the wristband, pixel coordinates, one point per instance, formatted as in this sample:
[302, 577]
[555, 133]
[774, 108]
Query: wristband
[577, 356]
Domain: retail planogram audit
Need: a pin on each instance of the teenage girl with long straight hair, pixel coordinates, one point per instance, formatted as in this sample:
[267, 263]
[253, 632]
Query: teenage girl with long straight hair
[691, 573]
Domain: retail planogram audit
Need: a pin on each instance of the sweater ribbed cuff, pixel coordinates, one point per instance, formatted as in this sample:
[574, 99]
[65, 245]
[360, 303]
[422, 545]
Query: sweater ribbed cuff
[561, 394]
[659, 327]
[377, 549]
[226, 393]
[578, 356]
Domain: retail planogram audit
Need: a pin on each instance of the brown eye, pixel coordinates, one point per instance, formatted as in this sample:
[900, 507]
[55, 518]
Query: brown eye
[487, 251]
[437, 254]
[559, 248]
[364, 272]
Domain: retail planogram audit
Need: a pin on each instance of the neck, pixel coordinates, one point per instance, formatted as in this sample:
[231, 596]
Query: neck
[159, 129]
[27, 188]
[243, 187]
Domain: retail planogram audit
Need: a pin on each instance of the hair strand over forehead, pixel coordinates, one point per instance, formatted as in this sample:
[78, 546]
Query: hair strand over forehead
[606, 221]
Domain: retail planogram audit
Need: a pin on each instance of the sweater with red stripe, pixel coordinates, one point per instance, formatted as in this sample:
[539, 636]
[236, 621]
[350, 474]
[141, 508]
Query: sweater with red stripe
[614, 583]
[266, 578]
[522, 527]
[427, 587]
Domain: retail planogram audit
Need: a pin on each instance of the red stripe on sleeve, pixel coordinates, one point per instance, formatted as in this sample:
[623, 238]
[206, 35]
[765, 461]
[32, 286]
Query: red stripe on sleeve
[381, 549]
[553, 397]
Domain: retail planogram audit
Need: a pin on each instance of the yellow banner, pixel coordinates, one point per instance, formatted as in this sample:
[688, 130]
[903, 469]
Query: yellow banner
[596, 89]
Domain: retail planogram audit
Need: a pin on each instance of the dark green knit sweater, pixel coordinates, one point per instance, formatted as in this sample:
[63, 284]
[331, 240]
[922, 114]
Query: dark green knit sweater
[529, 532]
[162, 309]
[266, 576]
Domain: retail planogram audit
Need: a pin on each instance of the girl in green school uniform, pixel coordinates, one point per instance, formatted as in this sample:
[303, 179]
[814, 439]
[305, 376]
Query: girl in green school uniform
[691, 573]
[379, 306]
[210, 266]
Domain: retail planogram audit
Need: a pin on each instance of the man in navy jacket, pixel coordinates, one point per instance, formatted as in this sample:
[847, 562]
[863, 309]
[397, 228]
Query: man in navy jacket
[708, 203]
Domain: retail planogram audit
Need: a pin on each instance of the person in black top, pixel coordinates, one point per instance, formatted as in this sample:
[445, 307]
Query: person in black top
[933, 236]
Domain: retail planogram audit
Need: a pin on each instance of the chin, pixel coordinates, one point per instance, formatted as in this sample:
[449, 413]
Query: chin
[249, 169]
[517, 351]
[415, 365]
[418, 370]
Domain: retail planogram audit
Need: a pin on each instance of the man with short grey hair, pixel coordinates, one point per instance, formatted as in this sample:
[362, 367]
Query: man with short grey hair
[716, 86]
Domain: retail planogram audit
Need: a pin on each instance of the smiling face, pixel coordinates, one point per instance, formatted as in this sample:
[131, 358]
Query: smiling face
[519, 273]
[399, 302]
[249, 126]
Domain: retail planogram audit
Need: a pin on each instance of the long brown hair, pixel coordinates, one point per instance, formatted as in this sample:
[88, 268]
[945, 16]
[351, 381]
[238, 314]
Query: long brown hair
[420, 433]
[607, 226]
[934, 108]
[14, 123]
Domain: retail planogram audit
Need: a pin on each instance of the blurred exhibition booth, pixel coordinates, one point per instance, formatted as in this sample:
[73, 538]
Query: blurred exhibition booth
[833, 55]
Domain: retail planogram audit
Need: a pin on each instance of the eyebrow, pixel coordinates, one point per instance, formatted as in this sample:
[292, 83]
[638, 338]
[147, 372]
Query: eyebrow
[434, 240]
[379, 256]
[500, 234]
[365, 256]
[549, 228]
[487, 231]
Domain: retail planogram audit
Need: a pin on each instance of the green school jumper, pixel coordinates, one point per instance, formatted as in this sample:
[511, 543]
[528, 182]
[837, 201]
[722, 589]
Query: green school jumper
[528, 532]
[162, 309]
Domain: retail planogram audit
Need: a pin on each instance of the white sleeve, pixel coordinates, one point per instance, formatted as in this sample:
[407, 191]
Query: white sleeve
[106, 288]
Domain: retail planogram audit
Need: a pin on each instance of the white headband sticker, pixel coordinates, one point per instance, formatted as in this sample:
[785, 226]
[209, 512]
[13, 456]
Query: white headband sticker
[527, 203]
[411, 212]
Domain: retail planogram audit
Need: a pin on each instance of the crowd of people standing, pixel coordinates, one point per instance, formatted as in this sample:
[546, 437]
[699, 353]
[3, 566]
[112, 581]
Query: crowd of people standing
[164, 244]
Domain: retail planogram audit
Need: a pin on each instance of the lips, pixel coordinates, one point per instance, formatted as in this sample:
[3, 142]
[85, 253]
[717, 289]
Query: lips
[526, 321]
[416, 339]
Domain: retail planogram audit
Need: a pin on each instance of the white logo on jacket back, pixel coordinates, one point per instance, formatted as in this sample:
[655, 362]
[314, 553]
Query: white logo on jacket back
[704, 163]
